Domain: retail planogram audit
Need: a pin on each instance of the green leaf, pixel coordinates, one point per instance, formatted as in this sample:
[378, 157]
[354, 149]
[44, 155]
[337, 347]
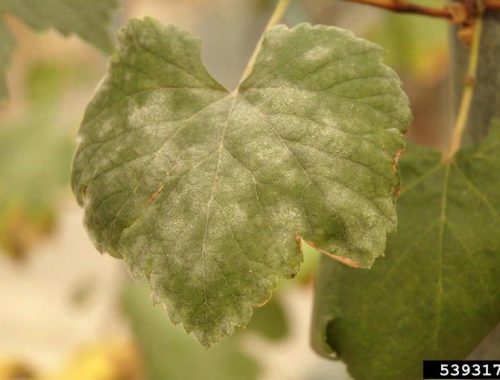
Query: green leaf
[6, 46]
[435, 295]
[415, 44]
[35, 157]
[170, 354]
[270, 321]
[34, 165]
[89, 19]
[207, 193]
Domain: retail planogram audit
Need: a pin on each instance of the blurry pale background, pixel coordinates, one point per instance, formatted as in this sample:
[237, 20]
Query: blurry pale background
[67, 312]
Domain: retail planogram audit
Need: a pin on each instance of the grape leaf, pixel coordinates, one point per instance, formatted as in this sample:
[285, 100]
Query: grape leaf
[89, 19]
[207, 193]
[170, 354]
[6, 46]
[435, 295]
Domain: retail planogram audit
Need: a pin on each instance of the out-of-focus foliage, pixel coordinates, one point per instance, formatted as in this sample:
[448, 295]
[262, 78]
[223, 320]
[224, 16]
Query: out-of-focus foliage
[89, 19]
[415, 44]
[169, 353]
[270, 320]
[35, 155]
[6, 45]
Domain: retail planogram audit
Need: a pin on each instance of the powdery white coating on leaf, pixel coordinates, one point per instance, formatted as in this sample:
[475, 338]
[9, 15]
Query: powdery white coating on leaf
[204, 192]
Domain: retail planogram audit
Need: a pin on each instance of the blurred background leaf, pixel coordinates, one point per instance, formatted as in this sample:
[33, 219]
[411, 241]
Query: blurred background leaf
[270, 320]
[6, 46]
[89, 19]
[35, 156]
[169, 353]
[415, 44]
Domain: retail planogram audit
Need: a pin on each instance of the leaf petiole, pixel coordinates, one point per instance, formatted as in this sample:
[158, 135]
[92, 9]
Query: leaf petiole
[468, 93]
[276, 17]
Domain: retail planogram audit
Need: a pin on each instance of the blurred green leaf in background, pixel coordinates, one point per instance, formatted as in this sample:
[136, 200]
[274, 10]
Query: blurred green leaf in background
[415, 45]
[6, 46]
[89, 19]
[35, 155]
[169, 353]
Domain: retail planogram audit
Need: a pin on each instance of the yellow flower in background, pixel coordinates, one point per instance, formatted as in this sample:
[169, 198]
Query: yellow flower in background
[109, 360]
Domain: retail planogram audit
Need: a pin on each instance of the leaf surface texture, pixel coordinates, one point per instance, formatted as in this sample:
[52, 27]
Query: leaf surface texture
[207, 193]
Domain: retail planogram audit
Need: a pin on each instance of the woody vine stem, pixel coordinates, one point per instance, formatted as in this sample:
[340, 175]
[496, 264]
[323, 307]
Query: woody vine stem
[466, 101]
[448, 12]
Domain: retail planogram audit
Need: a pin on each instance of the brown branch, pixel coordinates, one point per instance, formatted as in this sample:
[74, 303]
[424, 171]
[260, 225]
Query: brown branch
[492, 5]
[448, 12]
[403, 7]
